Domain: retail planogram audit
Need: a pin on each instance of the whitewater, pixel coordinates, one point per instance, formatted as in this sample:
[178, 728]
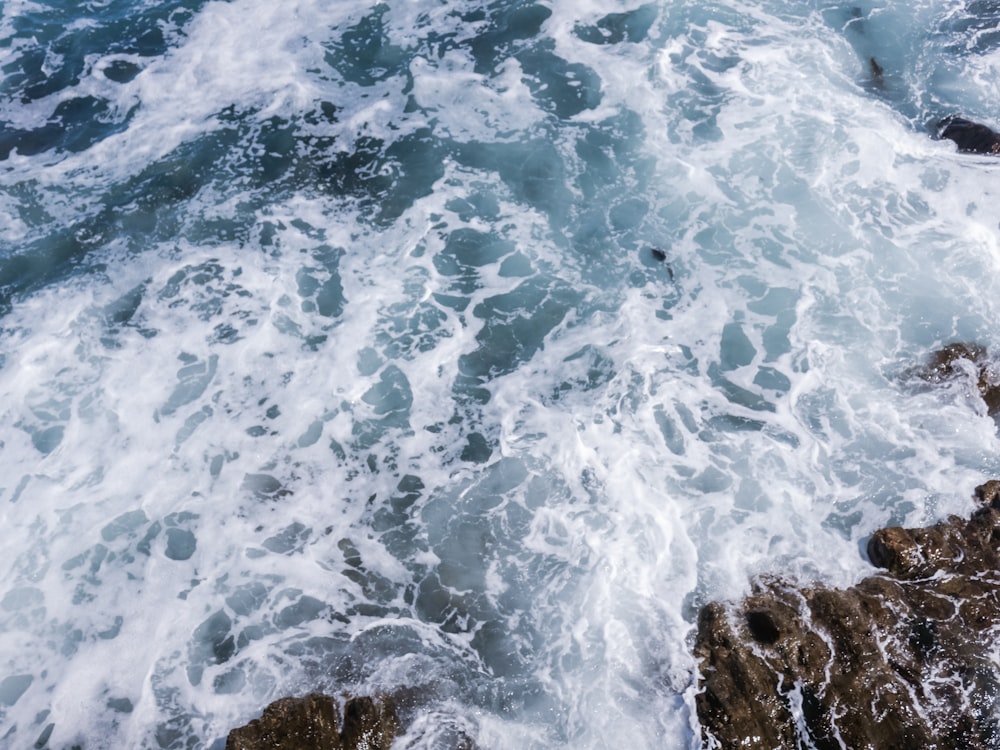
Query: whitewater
[466, 348]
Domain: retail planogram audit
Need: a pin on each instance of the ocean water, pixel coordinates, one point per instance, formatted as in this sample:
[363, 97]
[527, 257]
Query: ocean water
[465, 348]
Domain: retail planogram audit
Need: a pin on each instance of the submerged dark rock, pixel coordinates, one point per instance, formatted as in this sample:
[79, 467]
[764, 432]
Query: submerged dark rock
[877, 72]
[904, 659]
[971, 137]
[315, 722]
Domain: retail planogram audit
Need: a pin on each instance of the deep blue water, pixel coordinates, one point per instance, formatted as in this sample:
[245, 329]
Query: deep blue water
[466, 348]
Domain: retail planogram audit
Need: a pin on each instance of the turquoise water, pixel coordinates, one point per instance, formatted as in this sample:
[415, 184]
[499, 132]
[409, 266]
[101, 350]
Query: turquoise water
[467, 348]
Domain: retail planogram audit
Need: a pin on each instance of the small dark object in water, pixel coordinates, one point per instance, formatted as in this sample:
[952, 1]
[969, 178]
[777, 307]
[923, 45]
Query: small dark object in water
[876, 70]
[661, 256]
[971, 137]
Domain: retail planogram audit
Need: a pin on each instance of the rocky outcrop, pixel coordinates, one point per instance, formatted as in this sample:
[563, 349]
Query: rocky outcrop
[905, 659]
[971, 137]
[315, 723]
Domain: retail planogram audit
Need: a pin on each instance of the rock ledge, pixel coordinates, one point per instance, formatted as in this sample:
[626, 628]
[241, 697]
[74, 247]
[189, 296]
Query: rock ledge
[906, 658]
[314, 723]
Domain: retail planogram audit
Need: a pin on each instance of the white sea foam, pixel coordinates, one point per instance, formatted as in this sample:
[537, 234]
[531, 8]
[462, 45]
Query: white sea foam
[238, 469]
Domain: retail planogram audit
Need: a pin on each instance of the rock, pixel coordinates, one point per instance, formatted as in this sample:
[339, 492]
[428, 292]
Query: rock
[988, 493]
[314, 723]
[965, 360]
[945, 363]
[909, 553]
[904, 659]
[971, 137]
[877, 72]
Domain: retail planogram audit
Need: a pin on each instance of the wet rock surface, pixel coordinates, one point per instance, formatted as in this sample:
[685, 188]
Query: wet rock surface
[905, 659]
[971, 137]
[316, 722]
[967, 362]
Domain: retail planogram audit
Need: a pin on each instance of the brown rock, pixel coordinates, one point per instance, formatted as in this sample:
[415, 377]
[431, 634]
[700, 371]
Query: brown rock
[901, 660]
[314, 723]
[909, 553]
[368, 725]
[961, 360]
[989, 493]
[946, 363]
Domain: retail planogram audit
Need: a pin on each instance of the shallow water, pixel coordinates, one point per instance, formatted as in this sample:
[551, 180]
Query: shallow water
[469, 348]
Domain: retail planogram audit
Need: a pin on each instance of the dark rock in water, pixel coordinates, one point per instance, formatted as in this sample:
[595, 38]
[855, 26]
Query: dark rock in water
[943, 364]
[971, 137]
[904, 659]
[877, 72]
[314, 723]
[121, 71]
[955, 361]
